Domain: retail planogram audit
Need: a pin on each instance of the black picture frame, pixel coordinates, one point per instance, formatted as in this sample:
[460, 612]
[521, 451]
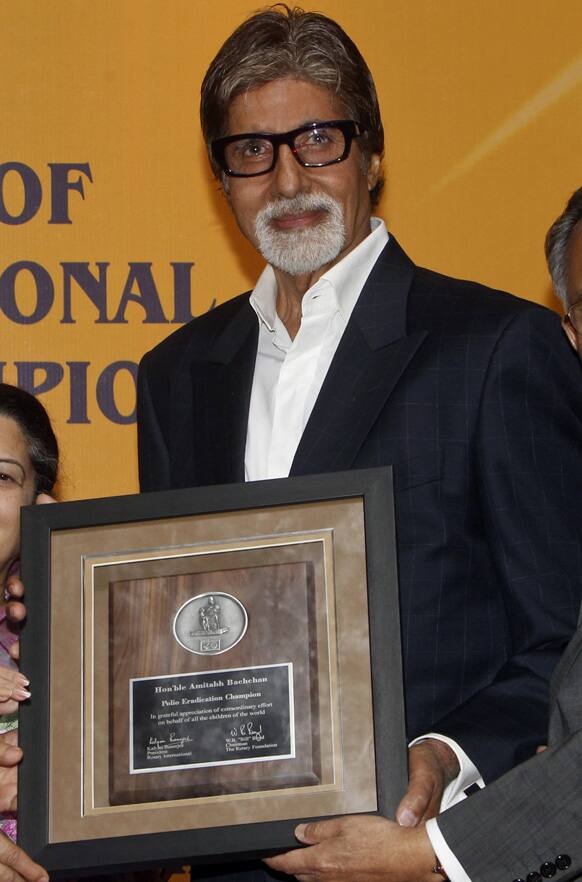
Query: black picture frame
[235, 843]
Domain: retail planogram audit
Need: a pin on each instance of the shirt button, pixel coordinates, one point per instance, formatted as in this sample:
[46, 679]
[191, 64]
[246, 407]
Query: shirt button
[548, 869]
[563, 861]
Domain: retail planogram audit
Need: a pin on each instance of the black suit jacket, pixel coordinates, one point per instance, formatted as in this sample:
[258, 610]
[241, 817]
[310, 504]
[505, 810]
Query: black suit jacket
[474, 396]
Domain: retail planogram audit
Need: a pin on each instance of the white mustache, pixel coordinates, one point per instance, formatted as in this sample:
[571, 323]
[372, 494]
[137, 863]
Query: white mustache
[296, 205]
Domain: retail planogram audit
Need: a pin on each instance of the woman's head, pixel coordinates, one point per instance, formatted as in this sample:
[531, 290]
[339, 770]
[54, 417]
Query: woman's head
[33, 421]
[28, 464]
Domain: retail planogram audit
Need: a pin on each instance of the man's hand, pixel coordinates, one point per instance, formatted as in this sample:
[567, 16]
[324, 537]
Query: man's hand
[10, 756]
[358, 848]
[16, 866]
[431, 766]
[13, 689]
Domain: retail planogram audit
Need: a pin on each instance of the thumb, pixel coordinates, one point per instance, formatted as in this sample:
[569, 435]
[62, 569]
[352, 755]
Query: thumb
[311, 834]
[414, 802]
[44, 499]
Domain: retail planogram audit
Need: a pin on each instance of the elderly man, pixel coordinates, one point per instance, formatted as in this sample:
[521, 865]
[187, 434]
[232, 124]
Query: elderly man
[525, 826]
[346, 355]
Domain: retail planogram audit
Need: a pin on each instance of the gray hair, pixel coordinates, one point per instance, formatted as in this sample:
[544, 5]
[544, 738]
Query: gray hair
[557, 241]
[282, 42]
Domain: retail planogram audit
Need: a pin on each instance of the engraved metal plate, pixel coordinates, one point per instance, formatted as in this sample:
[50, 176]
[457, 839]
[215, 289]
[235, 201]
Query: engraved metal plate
[210, 623]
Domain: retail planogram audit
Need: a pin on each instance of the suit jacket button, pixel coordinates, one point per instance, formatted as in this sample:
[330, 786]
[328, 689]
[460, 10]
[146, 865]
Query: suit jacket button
[533, 877]
[563, 861]
[548, 869]
[519, 879]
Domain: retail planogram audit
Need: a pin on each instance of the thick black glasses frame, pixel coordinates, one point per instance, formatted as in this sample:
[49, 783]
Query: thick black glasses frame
[348, 128]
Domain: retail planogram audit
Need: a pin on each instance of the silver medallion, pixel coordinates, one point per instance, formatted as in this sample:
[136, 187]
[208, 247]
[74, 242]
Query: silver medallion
[210, 623]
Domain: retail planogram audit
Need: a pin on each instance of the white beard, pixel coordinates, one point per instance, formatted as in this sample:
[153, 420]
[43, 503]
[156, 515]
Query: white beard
[299, 252]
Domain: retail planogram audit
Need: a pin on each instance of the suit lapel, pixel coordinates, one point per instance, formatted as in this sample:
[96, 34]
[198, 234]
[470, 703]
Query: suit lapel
[372, 355]
[222, 390]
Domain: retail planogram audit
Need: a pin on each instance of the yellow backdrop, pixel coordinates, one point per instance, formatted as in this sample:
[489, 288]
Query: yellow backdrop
[112, 230]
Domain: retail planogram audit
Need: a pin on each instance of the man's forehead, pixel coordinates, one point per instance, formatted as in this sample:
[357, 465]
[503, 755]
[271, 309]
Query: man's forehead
[281, 105]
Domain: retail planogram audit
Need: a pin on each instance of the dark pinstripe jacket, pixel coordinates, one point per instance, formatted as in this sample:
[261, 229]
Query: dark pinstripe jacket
[475, 398]
[530, 821]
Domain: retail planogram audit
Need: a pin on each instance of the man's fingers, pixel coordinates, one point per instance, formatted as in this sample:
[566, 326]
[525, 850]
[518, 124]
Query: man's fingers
[414, 803]
[317, 831]
[291, 862]
[16, 866]
[301, 863]
[306, 861]
[431, 764]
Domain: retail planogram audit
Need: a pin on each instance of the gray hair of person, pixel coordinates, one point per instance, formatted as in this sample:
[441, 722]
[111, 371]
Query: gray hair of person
[283, 42]
[557, 241]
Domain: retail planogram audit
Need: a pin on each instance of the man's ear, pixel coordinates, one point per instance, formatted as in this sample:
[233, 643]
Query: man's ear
[373, 170]
[568, 329]
[225, 184]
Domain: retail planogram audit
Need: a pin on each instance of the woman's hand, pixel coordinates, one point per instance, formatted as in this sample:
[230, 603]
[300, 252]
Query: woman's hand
[10, 756]
[15, 607]
[13, 689]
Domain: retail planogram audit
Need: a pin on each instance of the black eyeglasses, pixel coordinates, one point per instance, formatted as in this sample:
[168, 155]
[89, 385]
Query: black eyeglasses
[313, 146]
[574, 315]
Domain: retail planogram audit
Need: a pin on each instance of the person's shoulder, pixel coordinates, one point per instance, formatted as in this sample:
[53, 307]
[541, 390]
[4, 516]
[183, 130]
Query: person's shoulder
[464, 304]
[438, 301]
[199, 335]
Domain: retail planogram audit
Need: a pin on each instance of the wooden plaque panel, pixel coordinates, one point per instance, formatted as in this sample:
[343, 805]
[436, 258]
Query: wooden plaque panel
[280, 604]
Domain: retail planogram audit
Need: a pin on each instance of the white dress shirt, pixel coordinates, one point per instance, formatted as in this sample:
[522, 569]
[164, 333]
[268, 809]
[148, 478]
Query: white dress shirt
[288, 377]
[289, 373]
[447, 858]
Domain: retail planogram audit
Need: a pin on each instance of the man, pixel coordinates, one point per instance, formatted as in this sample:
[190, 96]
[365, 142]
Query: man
[527, 825]
[346, 355]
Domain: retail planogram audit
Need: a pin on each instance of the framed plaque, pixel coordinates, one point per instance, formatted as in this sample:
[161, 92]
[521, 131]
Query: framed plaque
[209, 667]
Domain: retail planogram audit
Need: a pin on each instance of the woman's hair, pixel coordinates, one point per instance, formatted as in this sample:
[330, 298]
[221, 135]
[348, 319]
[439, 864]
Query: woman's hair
[43, 450]
[282, 42]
